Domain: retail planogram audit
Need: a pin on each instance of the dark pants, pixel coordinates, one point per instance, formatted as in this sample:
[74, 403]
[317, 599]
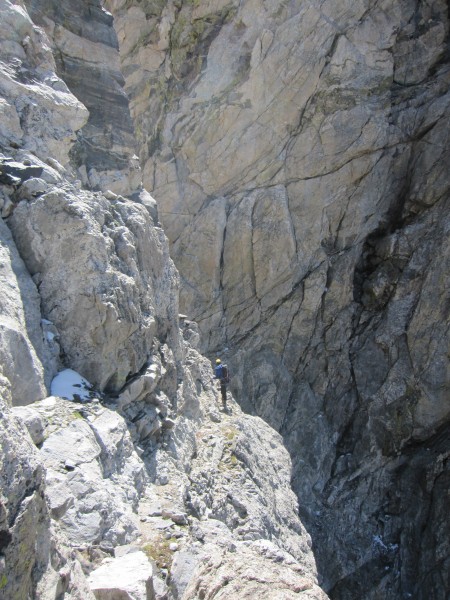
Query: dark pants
[223, 391]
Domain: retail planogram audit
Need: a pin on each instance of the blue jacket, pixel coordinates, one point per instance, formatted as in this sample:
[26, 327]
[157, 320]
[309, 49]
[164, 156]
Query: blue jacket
[218, 372]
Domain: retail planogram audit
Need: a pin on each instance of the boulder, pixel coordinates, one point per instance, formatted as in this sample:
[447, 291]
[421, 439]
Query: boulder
[94, 476]
[32, 421]
[127, 577]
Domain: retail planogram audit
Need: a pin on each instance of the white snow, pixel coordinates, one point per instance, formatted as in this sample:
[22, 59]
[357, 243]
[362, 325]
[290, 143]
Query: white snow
[69, 383]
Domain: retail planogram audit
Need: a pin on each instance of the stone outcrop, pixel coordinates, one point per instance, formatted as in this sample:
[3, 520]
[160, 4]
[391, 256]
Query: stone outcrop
[110, 297]
[34, 555]
[39, 113]
[298, 154]
[22, 344]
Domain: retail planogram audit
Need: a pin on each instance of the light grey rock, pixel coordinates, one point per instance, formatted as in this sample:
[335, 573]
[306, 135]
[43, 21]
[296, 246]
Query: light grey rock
[183, 567]
[52, 172]
[298, 156]
[75, 443]
[19, 515]
[126, 549]
[32, 421]
[32, 188]
[10, 129]
[94, 478]
[34, 557]
[160, 589]
[149, 202]
[128, 577]
[6, 206]
[117, 452]
[23, 354]
[142, 385]
[59, 496]
[115, 294]
[245, 573]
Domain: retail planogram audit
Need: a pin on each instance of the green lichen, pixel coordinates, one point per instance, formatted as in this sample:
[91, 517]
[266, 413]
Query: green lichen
[76, 415]
[159, 552]
[3, 581]
[190, 39]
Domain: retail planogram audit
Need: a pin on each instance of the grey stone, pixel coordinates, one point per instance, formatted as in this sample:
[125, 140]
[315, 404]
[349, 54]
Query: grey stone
[33, 553]
[32, 421]
[129, 576]
[177, 517]
[24, 358]
[299, 168]
[32, 188]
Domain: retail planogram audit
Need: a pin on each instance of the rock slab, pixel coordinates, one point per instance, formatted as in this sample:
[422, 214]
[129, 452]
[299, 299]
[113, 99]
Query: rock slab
[126, 578]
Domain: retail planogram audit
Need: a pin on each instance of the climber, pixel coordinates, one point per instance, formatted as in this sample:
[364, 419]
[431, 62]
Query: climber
[221, 373]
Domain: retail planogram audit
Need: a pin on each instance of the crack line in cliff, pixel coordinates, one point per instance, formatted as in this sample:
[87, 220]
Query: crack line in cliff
[270, 311]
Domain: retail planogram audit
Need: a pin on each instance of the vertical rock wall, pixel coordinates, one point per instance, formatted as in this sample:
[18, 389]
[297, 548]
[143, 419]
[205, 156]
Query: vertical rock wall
[84, 45]
[138, 464]
[299, 151]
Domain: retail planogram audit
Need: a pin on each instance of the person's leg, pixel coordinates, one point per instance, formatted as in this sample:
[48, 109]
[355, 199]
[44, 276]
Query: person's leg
[223, 389]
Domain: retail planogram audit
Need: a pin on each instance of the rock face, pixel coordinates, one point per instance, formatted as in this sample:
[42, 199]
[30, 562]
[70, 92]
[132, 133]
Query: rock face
[138, 474]
[111, 297]
[38, 111]
[298, 154]
[85, 49]
[22, 344]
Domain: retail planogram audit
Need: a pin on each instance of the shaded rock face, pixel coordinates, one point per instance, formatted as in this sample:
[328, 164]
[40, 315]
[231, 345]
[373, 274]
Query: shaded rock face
[85, 48]
[39, 113]
[298, 153]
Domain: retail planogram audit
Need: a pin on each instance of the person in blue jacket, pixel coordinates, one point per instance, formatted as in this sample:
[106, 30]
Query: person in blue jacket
[221, 373]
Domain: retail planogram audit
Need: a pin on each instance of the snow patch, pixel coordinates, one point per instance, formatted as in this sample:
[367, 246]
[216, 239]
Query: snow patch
[71, 385]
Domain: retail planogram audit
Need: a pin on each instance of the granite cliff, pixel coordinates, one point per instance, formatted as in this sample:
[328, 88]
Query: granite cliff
[120, 476]
[297, 152]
